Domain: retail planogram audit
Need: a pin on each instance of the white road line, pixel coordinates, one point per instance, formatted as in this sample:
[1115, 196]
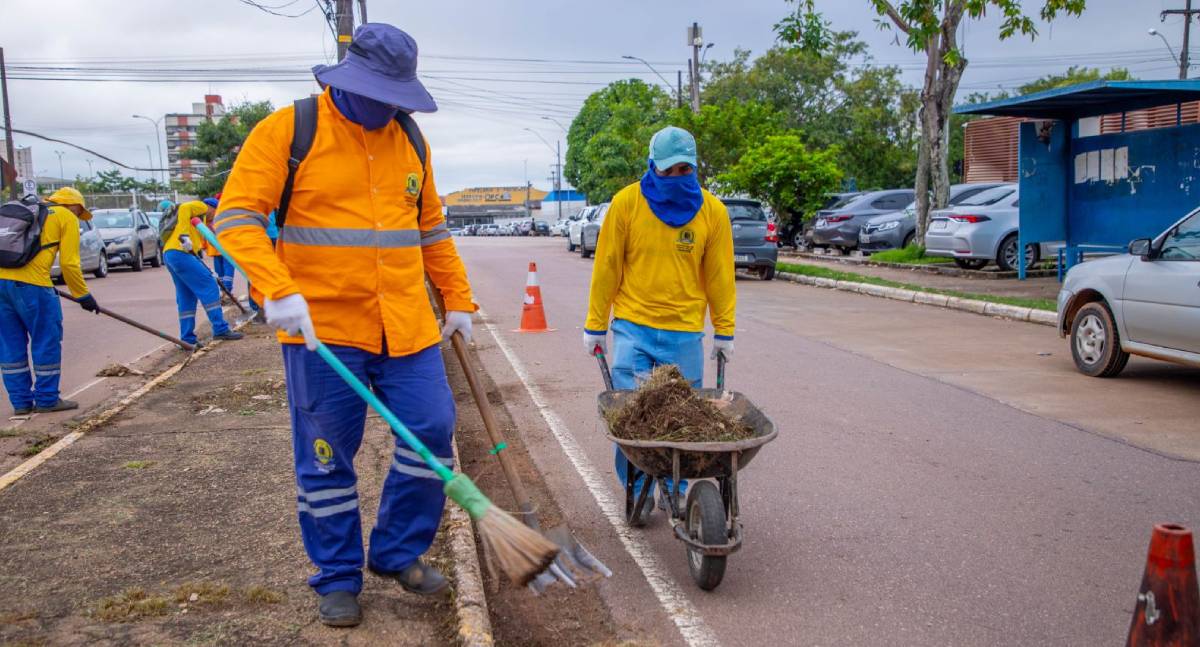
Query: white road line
[673, 600]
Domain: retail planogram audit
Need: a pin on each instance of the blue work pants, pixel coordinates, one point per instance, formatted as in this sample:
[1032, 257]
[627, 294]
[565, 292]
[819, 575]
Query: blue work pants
[327, 429]
[193, 282]
[224, 269]
[637, 349]
[30, 323]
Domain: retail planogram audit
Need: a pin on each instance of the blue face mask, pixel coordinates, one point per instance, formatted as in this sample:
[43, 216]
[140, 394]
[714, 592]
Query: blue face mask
[368, 113]
[675, 200]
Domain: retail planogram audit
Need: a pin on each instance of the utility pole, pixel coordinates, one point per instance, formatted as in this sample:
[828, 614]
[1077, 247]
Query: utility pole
[60, 164]
[344, 16]
[362, 11]
[528, 205]
[1187, 12]
[558, 175]
[678, 88]
[9, 151]
[696, 40]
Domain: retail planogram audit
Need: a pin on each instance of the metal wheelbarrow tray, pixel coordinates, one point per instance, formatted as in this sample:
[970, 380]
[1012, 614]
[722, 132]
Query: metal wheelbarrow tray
[708, 521]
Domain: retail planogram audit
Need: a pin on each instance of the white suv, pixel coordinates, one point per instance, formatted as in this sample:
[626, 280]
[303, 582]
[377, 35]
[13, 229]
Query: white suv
[1145, 302]
[575, 228]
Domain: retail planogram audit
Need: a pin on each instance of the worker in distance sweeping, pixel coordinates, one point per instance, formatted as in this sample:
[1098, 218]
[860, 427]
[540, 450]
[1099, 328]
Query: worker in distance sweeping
[359, 226]
[663, 259]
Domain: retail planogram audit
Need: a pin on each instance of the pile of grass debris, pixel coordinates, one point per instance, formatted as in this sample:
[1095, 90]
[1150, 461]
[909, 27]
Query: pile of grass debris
[666, 408]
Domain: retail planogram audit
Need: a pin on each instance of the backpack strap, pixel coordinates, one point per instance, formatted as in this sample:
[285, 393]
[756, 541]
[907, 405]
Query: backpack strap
[409, 126]
[303, 132]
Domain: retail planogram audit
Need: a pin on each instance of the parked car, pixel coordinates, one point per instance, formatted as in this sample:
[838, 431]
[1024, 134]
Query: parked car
[154, 217]
[91, 253]
[589, 234]
[490, 230]
[540, 228]
[1145, 302]
[798, 232]
[838, 226]
[129, 238]
[523, 228]
[754, 237]
[983, 229]
[897, 230]
[457, 231]
[575, 230]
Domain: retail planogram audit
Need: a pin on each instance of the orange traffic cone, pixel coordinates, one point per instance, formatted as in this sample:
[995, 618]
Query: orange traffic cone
[533, 316]
[1168, 602]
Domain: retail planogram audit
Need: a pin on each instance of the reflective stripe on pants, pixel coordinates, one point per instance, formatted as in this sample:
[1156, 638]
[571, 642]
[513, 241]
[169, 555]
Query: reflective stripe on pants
[327, 429]
[30, 323]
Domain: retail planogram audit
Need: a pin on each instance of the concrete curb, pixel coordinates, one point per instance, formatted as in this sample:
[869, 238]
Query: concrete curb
[927, 269]
[470, 601]
[986, 308]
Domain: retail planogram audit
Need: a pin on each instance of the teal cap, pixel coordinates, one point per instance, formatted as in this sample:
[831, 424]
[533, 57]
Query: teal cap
[671, 146]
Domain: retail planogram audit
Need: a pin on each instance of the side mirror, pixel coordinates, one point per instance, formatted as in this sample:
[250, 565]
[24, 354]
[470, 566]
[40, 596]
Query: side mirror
[1141, 247]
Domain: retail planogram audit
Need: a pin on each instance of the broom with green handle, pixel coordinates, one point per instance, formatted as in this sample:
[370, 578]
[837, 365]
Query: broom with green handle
[521, 552]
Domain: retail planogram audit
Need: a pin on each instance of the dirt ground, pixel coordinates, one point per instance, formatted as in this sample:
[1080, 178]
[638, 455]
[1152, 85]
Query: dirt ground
[175, 523]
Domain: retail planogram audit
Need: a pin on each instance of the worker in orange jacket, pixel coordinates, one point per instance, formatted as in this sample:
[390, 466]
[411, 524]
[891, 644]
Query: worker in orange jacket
[359, 228]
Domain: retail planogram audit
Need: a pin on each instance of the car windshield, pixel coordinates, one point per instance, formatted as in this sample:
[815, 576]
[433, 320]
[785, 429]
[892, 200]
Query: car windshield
[112, 219]
[991, 196]
[742, 211]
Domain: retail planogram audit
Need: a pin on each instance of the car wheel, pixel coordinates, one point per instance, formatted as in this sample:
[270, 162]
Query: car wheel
[1095, 343]
[583, 251]
[102, 268]
[798, 240]
[138, 261]
[1006, 258]
[908, 240]
[570, 245]
[971, 263]
[766, 272]
[157, 260]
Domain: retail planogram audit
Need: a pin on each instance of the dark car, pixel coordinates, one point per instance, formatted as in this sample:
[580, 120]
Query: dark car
[798, 231]
[540, 228]
[897, 230]
[754, 237]
[839, 226]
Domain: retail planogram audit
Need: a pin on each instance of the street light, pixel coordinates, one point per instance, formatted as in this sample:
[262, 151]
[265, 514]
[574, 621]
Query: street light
[647, 64]
[557, 164]
[564, 129]
[61, 173]
[157, 143]
[705, 51]
[1154, 32]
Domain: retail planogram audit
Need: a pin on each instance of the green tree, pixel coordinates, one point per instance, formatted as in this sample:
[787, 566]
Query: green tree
[931, 28]
[607, 144]
[218, 143]
[782, 172]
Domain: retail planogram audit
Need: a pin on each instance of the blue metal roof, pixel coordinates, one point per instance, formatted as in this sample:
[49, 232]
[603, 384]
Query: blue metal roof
[1089, 99]
[568, 195]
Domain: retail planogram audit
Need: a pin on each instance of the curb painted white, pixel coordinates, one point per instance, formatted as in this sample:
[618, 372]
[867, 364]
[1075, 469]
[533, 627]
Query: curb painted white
[470, 601]
[986, 308]
[673, 600]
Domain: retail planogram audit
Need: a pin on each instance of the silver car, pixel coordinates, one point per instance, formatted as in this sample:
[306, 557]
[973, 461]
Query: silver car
[983, 229]
[129, 238]
[575, 227]
[91, 253]
[589, 233]
[1145, 302]
[897, 230]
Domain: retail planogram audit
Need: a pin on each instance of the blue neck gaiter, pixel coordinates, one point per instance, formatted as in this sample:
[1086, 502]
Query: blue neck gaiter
[675, 200]
[368, 113]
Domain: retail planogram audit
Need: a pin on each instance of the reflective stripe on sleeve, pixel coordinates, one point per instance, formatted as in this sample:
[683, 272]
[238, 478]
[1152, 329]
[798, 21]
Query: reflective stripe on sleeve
[239, 221]
[332, 237]
[230, 214]
[435, 235]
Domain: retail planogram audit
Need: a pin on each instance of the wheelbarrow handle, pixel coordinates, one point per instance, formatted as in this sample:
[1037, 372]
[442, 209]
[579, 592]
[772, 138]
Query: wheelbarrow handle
[604, 371]
[721, 370]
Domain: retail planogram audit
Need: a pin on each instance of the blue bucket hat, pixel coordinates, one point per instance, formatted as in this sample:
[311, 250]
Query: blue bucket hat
[381, 64]
[212, 202]
[671, 146]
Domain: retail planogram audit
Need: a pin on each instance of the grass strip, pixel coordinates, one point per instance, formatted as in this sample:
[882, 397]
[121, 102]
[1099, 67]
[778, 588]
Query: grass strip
[911, 255]
[839, 275]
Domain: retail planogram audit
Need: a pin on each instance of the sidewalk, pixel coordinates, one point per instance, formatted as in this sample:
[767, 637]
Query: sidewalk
[176, 523]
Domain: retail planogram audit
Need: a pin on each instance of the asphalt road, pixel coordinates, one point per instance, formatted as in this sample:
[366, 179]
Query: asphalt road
[940, 478]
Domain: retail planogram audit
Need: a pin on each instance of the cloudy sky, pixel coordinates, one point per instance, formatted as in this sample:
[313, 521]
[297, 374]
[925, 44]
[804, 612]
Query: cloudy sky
[496, 67]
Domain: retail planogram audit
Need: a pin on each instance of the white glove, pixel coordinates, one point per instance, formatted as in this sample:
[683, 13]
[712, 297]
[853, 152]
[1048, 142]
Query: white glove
[290, 314]
[185, 242]
[724, 346]
[592, 340]
[457, 321]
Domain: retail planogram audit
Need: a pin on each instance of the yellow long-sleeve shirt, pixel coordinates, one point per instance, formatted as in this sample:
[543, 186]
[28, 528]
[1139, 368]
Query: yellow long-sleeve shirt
[184, 227]
[61, 227]
[652, 274]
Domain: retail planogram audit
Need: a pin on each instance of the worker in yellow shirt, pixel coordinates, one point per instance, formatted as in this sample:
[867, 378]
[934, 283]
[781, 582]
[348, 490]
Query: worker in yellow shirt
[30, 315]
[664, 257]
[360, 225]
[193, 281]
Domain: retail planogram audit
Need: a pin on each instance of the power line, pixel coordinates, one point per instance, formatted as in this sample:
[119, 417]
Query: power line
[270, 10]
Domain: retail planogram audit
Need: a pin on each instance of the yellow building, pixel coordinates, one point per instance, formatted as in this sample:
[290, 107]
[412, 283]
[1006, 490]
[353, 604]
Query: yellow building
[497, 204]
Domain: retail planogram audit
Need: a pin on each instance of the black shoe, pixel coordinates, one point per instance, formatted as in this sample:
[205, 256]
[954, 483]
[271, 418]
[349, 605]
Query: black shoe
[339, 609]
[61, 405]
[419, 578]
[229, 335]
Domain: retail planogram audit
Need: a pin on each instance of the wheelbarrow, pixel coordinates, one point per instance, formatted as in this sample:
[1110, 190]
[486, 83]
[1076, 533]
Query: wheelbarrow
[707, 521]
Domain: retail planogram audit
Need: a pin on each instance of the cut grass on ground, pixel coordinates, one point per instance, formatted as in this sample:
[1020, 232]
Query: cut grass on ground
[131, 605]
[911, 255]
[838, 275]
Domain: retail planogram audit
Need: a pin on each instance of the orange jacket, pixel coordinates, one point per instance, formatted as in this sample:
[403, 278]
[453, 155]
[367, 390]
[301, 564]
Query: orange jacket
[352, 244]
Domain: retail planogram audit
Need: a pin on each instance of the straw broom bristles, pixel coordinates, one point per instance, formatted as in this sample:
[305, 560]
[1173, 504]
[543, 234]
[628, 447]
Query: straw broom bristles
[520, 551]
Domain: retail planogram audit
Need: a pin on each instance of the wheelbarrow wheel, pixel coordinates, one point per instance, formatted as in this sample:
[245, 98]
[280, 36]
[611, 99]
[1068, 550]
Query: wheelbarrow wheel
[706, 524]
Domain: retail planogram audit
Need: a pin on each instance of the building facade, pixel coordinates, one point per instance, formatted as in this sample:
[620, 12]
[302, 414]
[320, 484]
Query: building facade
[562, 204]
[24, 162]
[181, 135]
[500, 204]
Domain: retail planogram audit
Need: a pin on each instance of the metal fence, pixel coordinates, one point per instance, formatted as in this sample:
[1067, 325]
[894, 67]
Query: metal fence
[145, 202]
